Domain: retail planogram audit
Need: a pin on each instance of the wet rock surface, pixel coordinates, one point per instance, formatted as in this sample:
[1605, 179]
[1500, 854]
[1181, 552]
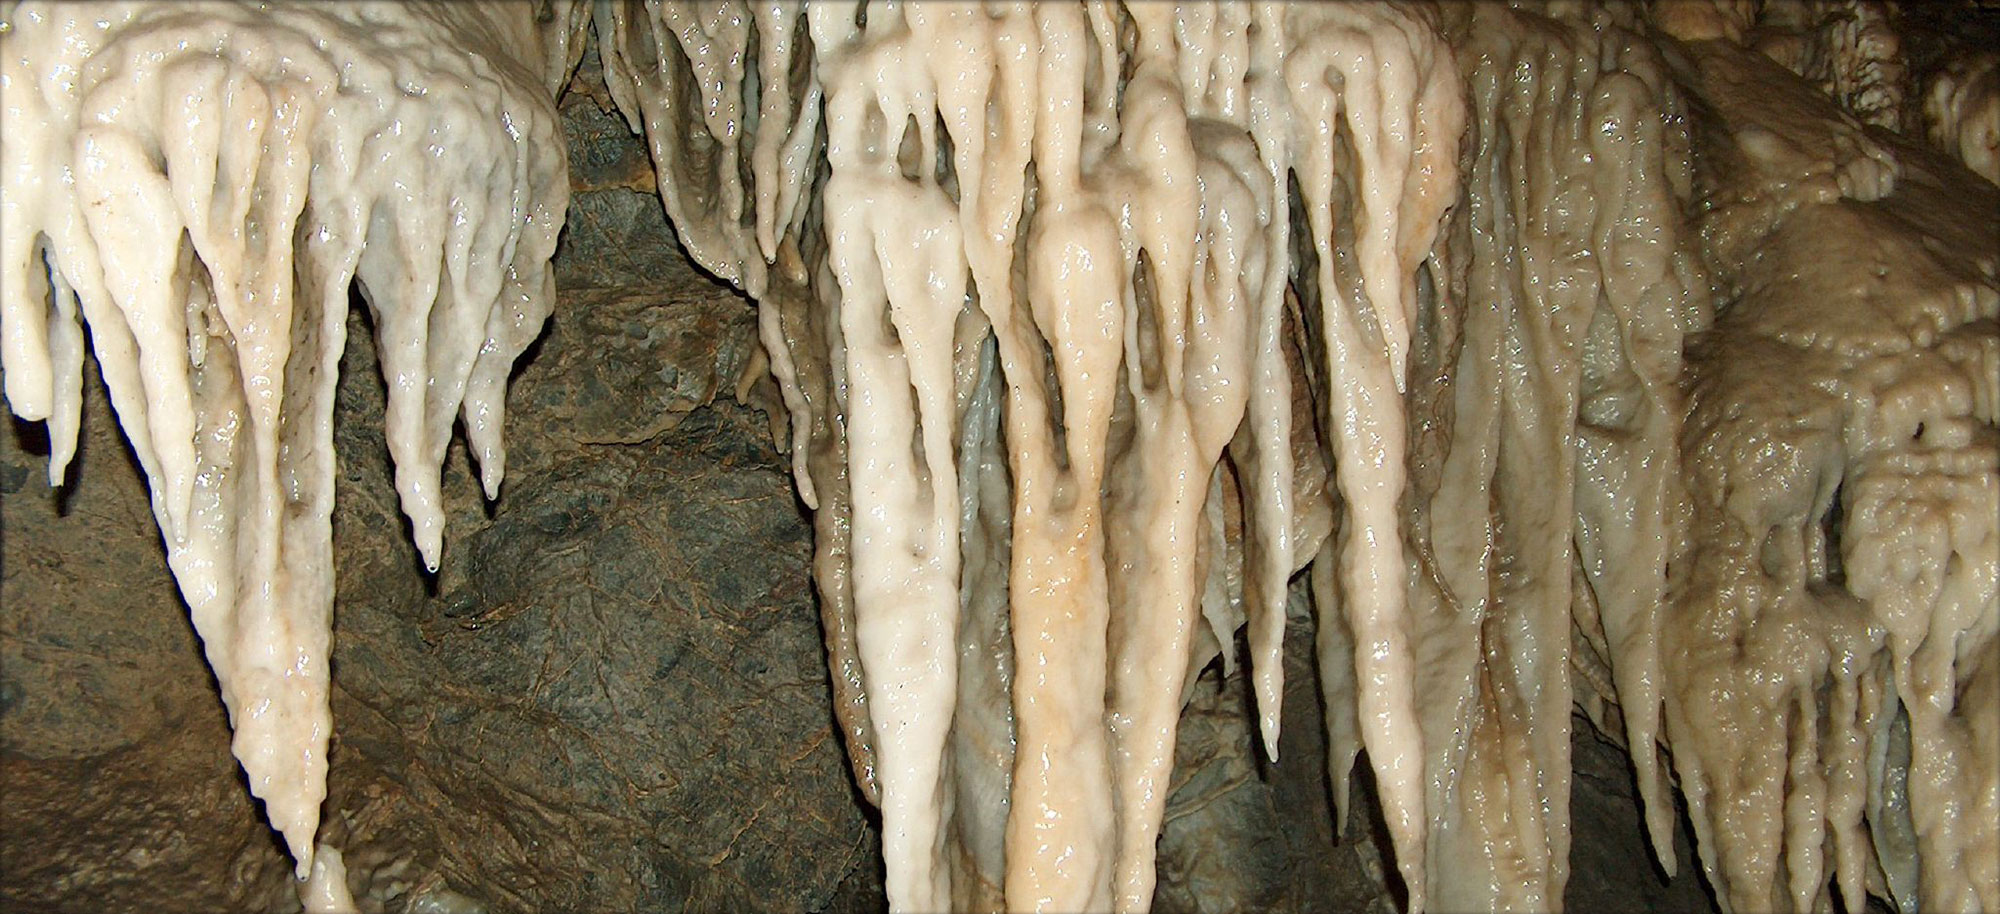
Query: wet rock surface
[612, 697]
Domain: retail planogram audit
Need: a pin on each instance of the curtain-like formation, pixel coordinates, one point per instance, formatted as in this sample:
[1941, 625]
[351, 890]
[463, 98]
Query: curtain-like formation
[1832, 632]
[1547, 487]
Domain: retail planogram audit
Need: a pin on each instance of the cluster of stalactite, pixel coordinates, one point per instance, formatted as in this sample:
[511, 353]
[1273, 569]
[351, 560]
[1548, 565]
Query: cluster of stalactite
[1618, 358]
[1495, 474]
[203, 183]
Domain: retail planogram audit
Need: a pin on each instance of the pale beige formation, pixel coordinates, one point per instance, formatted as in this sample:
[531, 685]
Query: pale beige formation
[325, 890]
[1833, 681]
[1961, 112]
[1545, 484]
[1619, 358]
[202, 183]
[1849, 48]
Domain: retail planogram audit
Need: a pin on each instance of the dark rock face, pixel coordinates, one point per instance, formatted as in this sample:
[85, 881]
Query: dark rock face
[1243, 834]
[612, 697]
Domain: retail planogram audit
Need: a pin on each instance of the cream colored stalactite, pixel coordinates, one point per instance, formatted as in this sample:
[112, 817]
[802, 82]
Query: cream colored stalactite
[1892, 836]
[1911, 497]
[1608, 328]
[896, 250]
[1186, 372]
[203, 177]
[43, 340]
[748, 108]
[1004, 84]
[1401, 113]
[997, 57]
[1740, 710]
[1179, 438]
[984, 66]
[1060, 828]
[1766, 792]
[1232, 81]
[986, 71]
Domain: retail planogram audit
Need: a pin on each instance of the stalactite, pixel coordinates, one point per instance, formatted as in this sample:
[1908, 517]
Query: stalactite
[1128, 252]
